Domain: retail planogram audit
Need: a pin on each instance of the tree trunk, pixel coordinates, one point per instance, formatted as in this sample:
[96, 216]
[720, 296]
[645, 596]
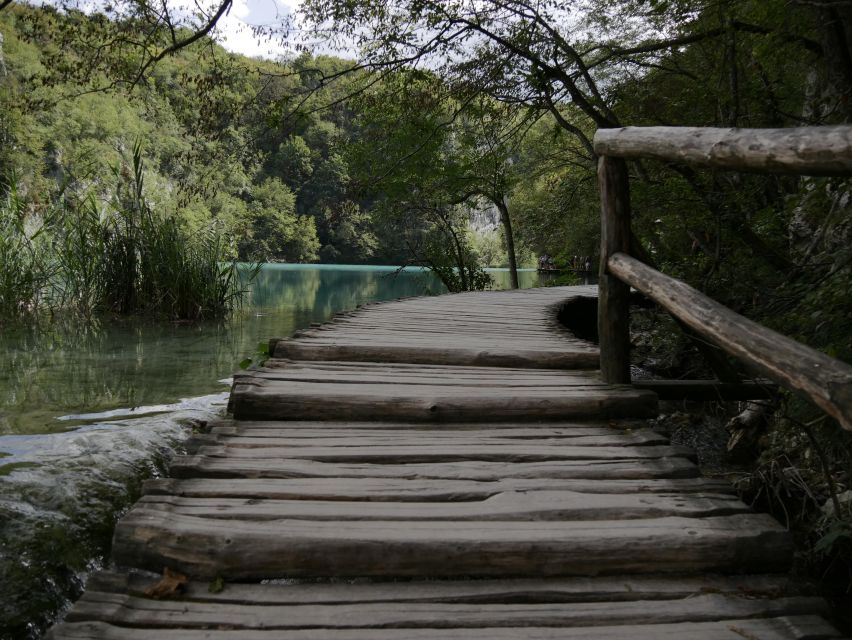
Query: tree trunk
[732, 114]
[503, 207]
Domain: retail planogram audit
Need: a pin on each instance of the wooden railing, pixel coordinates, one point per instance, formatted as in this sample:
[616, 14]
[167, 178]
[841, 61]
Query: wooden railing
[806, 151]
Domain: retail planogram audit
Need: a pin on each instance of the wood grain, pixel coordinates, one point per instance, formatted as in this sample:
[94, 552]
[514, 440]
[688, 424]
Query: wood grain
[777, 628]
[824, 380]
[134, 611]
[805, 150]
[614, 295]
[504, 506]
[610, 589]
[495, 329]
[225, 467]
[253, 550]
[437, 400]
[412, 489]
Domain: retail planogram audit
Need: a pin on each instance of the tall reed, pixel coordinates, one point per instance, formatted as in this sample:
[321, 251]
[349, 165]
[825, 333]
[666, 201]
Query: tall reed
[78, 244]
[23, 278]
[120, 257]
[154, 265]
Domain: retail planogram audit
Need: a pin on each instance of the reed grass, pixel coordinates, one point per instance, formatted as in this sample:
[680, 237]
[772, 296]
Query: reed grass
[23, 278]
[120, 258]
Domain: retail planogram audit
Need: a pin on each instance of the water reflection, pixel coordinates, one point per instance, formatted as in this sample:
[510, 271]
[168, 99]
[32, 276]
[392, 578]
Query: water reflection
[45, 374]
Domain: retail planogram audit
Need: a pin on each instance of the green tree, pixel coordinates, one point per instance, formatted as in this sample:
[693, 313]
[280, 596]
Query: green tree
[275, 231]
[292, 162]
[404, 165]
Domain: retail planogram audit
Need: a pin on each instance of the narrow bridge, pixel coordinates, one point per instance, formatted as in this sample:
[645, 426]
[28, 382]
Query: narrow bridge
[461, 467]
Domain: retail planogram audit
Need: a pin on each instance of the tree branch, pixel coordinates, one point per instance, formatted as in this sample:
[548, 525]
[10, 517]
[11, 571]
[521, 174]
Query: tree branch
[551, 71]
[181, 44]
[573, 129]
[663, 45]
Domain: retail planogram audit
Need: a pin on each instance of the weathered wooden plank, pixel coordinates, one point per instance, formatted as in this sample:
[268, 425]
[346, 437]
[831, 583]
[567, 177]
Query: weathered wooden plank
[447, 429]
[425, 369]
[577, 388]
[277, 402]
[527, 505]
[579, 589]
[824, 380]
[533, 315]
[543, 331]
[779, 628]
[393, 489]
[418, 391]
[447, 377]
[454, 339]
[278, 367]
[802, 150]
[477, 328]
[260, 439]
[534, 327]
[492, 357]
[425, 386]
[408, 366]
[205, 548]
[368, 368]
[448, 341]
[538, 309]
[203, 466]
[362, 431]
[414, 453]
[134, 611]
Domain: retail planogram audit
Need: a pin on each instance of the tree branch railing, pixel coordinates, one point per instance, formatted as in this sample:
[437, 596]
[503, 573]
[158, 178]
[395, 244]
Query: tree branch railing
[823, 151]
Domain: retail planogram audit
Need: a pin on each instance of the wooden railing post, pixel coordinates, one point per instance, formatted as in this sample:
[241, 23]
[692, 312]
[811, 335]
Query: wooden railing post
[813, 151]
[614, 295]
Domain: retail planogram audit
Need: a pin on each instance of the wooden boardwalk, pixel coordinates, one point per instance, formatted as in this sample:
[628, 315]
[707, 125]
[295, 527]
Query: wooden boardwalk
[441, 468]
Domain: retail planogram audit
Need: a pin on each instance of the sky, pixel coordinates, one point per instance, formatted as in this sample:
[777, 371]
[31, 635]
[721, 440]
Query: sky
[234, 30]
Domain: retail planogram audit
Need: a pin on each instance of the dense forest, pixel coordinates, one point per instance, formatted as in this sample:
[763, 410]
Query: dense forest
[435, 115]
[262, 155]
[317, 158]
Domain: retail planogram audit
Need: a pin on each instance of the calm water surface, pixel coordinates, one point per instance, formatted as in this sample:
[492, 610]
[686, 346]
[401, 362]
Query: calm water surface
[86, 412]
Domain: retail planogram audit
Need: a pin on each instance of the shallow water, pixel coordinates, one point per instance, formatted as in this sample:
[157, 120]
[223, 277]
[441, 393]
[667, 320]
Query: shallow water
[88, 411]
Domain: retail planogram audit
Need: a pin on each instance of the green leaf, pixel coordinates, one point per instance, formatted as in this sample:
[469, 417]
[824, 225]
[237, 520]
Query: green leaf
[245, 364]
[217, 585]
